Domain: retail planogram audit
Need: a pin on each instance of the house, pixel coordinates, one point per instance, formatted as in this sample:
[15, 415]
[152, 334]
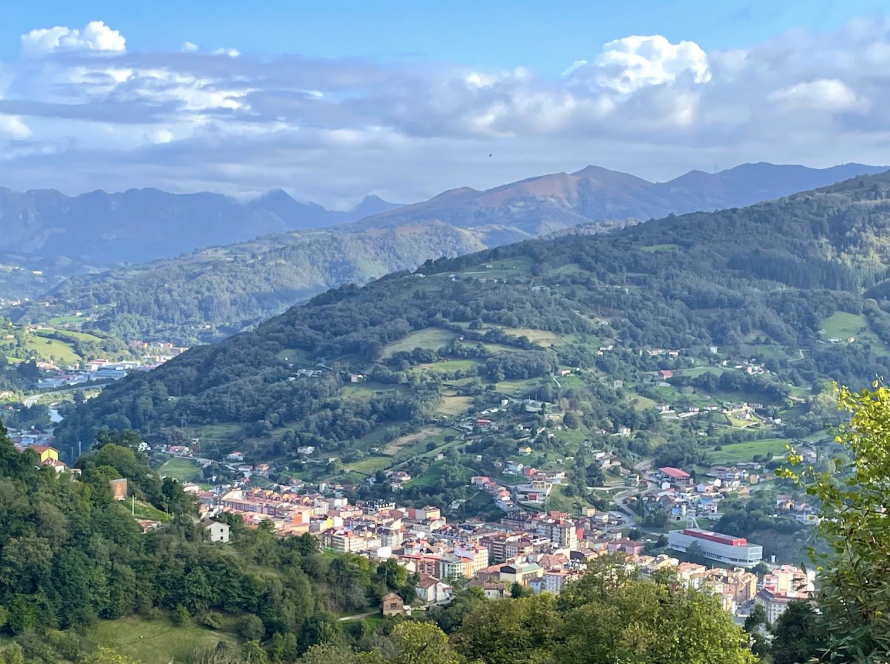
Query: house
[235, 456]
[392, 605]
[356, 378]
[666, 374]
[218, 532]
[431, 590]
[46, 453]
[119, 488]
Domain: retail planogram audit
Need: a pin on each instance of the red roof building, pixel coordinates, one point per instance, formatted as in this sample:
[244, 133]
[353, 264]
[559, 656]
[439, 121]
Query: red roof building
[674, 473]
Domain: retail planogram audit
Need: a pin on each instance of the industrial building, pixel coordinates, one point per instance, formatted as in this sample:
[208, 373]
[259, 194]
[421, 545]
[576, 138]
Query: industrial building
[723, 549]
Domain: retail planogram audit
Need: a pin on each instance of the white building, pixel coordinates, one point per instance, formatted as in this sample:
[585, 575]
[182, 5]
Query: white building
[218, 532]
[431, 590]
[724, 549]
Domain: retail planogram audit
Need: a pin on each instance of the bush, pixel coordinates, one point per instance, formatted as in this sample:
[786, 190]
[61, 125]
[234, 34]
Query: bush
[212, 620]
[251, 628]
[180, 616]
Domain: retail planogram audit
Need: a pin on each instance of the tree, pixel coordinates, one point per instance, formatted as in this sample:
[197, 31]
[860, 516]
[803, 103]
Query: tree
[854, 575]
[180, 615]
[756, 619]
[14, 654]
[103, 655]
[755, 624]
[652, 622]
[509, 631]
[797, 635]
[517, 590]
[250, 628]
[420, 643]
[694, 554]
[284, 648]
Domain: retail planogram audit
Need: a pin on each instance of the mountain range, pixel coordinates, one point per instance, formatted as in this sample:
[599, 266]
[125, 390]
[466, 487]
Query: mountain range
[213, 292]
[146, 224]
[548, 203]
[798, 286]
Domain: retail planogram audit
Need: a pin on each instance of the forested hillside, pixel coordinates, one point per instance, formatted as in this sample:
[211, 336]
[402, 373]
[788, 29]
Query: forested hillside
[217, 292]
[213, 293]
[797, 284]
[75, 566]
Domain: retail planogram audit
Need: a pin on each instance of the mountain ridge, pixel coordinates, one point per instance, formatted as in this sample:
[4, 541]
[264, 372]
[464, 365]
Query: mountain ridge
[780, 281]
[139, 225]
[300, 263]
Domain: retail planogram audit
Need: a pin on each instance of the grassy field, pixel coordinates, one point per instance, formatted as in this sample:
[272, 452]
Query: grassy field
[433, 475]
[454, 405]
[543, 337]
[155, 641]
[51, 348]
[219, 432]
[449, 366]
[78, 336]
[66, 320]
[841, 325]
[494, 349]
[432, 338]
[509, 268]
[409, 440]
[519, 387]
[142, 510]
[746, 451]
[369, 465]
[367, 390]
[700, 371]
[183, 470]
[642, 403]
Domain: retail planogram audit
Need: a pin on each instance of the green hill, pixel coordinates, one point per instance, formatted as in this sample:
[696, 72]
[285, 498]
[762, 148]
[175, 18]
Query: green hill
[217, 292]
[462, 335]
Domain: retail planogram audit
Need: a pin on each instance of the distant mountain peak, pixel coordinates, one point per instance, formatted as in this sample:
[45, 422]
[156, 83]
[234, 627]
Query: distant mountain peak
[371, 205]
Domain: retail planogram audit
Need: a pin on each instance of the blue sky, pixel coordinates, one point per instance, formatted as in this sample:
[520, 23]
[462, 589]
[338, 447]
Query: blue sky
[494, 33]
[334, 100]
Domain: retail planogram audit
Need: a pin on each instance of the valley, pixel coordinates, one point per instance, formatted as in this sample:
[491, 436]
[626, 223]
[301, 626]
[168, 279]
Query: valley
[549, 368]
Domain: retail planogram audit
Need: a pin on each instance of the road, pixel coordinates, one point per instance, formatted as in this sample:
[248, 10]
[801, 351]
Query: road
[620, 499]
[30, 401]
[360, 616]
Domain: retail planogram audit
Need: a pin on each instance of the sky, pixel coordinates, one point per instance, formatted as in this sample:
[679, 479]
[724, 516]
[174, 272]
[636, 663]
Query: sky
[338, 99]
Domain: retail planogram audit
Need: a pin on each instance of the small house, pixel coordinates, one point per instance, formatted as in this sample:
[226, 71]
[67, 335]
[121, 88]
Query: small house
[392, 605]
[218, 532]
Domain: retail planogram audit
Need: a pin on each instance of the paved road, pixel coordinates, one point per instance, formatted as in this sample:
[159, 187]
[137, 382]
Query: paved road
[620, 499]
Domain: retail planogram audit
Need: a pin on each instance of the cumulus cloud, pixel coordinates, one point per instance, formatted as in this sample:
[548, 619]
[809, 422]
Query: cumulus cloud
[830, 95]
[202, 119]
[96, 36]
[631, 63]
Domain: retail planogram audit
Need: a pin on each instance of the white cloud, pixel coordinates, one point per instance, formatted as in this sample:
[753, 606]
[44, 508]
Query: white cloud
[241, 123]
[631, 63]
[96, 36]
[823, 94]
[12, 126]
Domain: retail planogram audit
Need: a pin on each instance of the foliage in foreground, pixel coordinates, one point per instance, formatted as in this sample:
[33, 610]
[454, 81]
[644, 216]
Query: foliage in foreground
[854, 575]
